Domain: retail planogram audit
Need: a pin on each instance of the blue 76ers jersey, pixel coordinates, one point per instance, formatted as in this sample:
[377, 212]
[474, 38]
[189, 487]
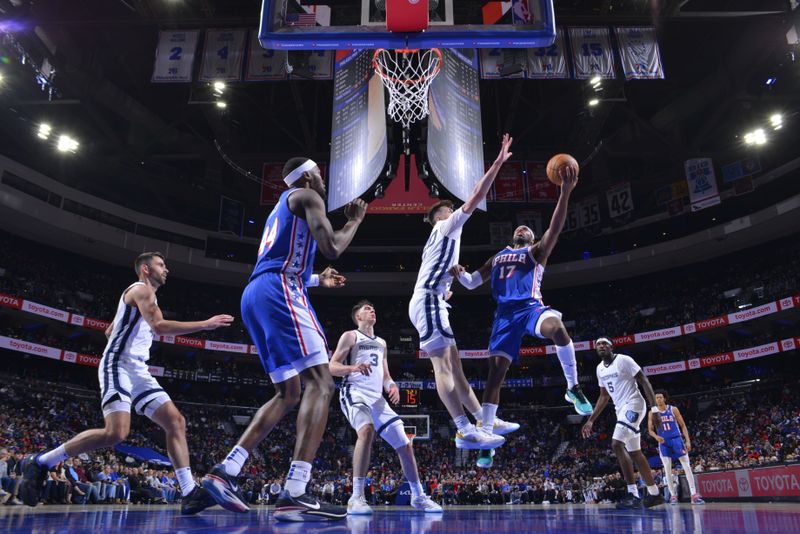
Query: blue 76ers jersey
[286, 244]
[667, 426]
[516, 277]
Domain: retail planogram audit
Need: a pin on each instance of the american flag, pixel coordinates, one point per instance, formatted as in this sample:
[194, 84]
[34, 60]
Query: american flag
[301, 19]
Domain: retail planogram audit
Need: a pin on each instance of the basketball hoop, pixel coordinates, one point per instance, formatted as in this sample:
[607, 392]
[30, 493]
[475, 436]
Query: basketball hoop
[408, 75]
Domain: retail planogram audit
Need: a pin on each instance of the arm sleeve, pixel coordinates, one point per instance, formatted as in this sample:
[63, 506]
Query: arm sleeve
[470, 280]
[313, 281]
[453, 223]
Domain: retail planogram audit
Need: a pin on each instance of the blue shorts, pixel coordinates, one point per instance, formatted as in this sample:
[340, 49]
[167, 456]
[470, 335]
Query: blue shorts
[283, 325]
[672, 448]
[511, 323]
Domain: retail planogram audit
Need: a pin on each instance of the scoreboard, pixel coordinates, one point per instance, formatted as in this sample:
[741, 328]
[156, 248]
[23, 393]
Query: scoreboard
[409, 397]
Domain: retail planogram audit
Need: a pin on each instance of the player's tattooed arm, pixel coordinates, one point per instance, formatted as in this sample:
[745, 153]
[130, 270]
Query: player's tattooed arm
[542, 250]
[337, 367]
[651, 423]
[602, 401]
[682, 425]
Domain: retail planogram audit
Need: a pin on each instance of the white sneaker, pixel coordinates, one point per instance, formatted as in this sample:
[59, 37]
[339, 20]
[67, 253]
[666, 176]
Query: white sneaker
[358, 506]
[426, 504]
[478, 438]
[501, 428]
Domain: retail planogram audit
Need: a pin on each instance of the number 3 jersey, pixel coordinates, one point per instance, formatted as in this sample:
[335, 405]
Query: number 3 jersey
[619, 380]
[516, 277]
[369, 350]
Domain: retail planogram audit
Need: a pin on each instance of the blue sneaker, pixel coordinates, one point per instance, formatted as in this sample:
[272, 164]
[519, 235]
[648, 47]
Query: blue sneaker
[485, 458]
[223, 490]
[576, 397]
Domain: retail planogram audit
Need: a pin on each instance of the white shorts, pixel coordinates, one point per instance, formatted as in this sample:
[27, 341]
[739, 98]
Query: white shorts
[126, 381]
[361, 411]
[629, 421]
[429, 315]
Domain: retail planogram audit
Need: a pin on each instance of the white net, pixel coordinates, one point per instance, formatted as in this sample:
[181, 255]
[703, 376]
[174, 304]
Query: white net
[408, 75]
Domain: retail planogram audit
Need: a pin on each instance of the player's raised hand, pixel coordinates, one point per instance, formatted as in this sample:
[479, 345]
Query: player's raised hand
[356, 210]
[394, 394]
[456, 270]
[330, 277]
[569, 177]
[363, 368]
[504, 154]
[217, 321]
[586, 431]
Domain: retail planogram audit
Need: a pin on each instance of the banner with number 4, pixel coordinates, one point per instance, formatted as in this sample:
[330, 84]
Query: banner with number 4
[175, 56]
[223, 55]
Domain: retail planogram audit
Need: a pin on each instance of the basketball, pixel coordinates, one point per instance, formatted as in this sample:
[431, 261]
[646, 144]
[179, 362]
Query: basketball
[556, 163]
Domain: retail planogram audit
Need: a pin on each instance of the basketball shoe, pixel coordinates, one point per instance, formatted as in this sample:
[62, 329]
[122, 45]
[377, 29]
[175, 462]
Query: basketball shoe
[358, 506]
[222, 488]
[485, 459]
[652, 500]
[33, 477]
[477, 438]
[197, 501]
[501, 428]
[630, 502]
[696, 499]
[426, 504]
[305, 508]
[579, 400]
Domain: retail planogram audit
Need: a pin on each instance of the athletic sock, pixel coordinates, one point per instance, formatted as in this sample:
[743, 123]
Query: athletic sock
[566, 355]
[54, 457]
[416, 489]
[652, 490]
[478, 415]
[633, 490]
[185, 480]
[358, 486]
[235, 460]
[462, 423]
[489, 412]
[667, 461]
[687, 470]
[298, 477]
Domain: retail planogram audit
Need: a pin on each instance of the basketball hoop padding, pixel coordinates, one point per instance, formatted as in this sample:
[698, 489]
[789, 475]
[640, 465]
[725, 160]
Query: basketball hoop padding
[406, 15]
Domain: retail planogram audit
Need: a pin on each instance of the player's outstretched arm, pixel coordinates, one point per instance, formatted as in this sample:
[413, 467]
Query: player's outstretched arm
[651, 422]
[485, 183]
[330, 277]
[682, 425]
[472, 280]
[331, 244]
[337, 366]
[389, 386]
[145, 299]
[542, 250]
[602, 401]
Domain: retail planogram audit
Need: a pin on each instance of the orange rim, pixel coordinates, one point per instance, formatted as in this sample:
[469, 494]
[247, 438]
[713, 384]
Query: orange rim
[380, 72]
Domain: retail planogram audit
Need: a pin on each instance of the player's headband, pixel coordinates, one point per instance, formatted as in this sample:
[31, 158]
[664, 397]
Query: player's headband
[603, 340]
[295, 175]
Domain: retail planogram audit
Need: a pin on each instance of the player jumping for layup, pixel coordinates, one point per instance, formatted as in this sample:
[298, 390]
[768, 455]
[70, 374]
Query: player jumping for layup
[289, 339]
[125, 381]
[516, 273]
[428, 311]
[366, 376]
[618, 376]
[670, 425]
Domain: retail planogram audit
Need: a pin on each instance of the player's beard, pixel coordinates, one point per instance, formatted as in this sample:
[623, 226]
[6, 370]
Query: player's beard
[520, 241]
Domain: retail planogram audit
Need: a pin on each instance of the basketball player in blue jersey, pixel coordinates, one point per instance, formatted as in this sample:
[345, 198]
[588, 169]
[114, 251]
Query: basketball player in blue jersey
[428, 312]
[126, 382]
[666, 426]
[516, 276]
[289, 338]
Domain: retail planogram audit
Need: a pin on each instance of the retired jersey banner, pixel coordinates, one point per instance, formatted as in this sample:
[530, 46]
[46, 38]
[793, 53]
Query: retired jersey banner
[549, 62]
[591, 53]
[223, 54]
[262, 64]
[540, 189]
[702, 183]
[492, 61]
[639, 53]
[175, 56]
[620, 200]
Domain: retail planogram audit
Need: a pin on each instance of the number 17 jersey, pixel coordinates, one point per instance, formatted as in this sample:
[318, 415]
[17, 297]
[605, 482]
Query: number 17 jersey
[516, 277]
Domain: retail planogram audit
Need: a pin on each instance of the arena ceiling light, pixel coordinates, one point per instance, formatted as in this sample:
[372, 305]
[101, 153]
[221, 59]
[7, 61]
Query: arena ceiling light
[219, 87]
[776, 120]
[44, 131]
[221, 104]
[756, 137]
[593, 102]
[67, 144]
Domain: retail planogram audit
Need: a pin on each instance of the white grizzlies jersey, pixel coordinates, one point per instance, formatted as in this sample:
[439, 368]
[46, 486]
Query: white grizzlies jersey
[131, 335]
[618, 379]
[440, 255]
[370, 350]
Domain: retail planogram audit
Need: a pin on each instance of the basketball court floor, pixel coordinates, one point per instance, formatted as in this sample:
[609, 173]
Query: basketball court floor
[713, 517]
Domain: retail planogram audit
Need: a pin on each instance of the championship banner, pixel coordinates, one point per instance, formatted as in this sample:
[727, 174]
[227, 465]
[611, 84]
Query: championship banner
[272, 184]
[620, 200]
[509, 186]
[262, 64]
[702, 183]
[540, 189]
[639, 53]
[550, 62]
[591, 53]
[223, 53]
[740, 169]
[175, 56]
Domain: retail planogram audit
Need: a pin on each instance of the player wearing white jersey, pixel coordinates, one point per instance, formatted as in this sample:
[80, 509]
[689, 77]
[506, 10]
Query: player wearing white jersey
[360, 358]
[619, 378]
[428, 312]
[125, 381]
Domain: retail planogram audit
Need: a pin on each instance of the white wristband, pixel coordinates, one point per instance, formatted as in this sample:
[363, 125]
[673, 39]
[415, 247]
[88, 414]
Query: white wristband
[388, 385]
[313, 281]
[654, 409]
[470, 280]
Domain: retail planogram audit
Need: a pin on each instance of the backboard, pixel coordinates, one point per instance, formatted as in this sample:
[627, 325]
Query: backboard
[358, 24]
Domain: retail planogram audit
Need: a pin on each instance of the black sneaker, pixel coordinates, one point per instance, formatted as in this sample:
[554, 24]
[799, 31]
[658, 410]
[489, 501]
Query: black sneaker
[197, 501]
[652, 500]
[630, 502]
[306, 508]
[33, 477]
[222, 488]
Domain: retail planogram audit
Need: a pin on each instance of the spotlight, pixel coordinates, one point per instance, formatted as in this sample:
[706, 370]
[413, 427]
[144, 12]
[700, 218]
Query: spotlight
[776, 121]
[66, 144]
[219, 87]
[44, 131]
[221, 104]
[771, 80]
[593, 102]
[1, 78]
[596, 80]
[756, 137]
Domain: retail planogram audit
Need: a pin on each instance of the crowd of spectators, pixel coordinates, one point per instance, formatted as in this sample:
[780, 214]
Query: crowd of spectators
[544, 462]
